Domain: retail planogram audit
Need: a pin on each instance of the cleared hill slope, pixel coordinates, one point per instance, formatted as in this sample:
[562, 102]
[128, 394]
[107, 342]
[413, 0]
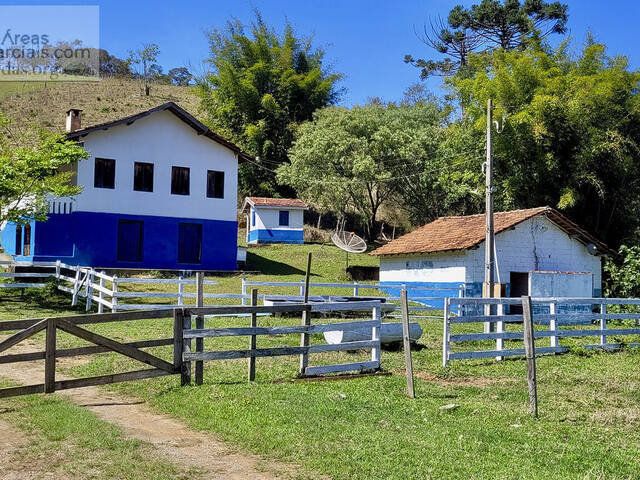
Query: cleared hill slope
[45, 105]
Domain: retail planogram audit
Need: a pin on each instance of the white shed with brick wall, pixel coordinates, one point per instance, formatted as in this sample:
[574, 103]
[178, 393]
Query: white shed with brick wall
[533, 247]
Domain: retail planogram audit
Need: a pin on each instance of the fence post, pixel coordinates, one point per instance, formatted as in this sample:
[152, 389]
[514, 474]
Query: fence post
[57, 269]
[178, 344]
[446, 333]
[100, 293]
[355, 288]
[244, 291]
[306, 320]
[76, 282]
[180, 291]
[375, 334]
[603, 324]
[406, 342]
[500, 329]
[530, 353]
[553, 324]
[185, 377]
[114, 297]
[252, 338]
[461, 290]
[50, 357]
[89, 289]
[303, 290]
[199, 326]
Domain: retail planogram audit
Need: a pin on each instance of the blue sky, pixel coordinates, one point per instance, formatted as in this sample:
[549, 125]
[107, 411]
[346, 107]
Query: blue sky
[366, 40]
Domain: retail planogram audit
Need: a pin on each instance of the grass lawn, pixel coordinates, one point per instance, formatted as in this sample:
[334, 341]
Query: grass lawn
[366, 428]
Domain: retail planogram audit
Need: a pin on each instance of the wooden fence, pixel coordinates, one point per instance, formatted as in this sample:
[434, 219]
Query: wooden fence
[557, 318]
[181, 341]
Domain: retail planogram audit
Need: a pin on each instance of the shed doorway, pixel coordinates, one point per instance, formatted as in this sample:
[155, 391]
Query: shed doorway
[519, 282]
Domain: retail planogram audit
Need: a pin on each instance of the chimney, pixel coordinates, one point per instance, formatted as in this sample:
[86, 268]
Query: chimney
[74, 119]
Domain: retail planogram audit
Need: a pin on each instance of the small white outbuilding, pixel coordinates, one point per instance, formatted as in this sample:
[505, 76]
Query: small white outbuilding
[274, 220]
[539, 252]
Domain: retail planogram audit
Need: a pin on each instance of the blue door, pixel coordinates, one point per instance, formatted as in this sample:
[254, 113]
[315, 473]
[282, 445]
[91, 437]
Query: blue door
[189, 243]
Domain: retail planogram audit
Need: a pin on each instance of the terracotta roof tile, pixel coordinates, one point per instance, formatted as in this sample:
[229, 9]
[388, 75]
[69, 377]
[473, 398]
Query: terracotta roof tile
[457, 233]
[275, 202]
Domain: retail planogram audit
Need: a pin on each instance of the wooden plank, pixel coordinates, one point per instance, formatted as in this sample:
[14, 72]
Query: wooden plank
[530, 354]
[120, 348]
[239, 309]
[199, 325]
[23, 285]
[113, 378]
[26, 275]
[23, 334]
[50, 357]
[346, 367]
[375, 334]
[251, 366]
[235, 354]
[278, 330]
[185, 374]
[603, 324]
[473, 337]
[92, 318]
[406, 343]
[511, 352]
[23, 390]
[178, 342]
[164, 281]
[305, 321]
[350, 306]
[446, 333]
[73, 352]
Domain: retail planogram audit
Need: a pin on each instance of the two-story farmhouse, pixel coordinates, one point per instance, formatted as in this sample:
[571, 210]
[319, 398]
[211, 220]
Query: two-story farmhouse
[159, 192]
[539, 252]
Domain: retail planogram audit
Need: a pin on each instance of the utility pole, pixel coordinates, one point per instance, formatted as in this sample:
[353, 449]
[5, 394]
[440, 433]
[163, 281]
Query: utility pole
[489, 260]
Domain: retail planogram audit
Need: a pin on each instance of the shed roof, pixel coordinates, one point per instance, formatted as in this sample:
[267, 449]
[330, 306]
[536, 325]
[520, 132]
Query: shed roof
[274, 203]
[459, 233]
[179, 112]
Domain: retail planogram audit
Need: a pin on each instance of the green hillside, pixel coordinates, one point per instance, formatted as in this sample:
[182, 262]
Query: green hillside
[44, 104]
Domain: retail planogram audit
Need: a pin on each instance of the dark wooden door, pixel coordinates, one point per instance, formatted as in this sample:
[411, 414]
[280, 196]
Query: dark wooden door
[519, 282]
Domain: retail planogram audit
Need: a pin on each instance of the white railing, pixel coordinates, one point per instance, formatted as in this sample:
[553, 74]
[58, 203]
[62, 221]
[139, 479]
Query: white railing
[116, 294]
[576, 314]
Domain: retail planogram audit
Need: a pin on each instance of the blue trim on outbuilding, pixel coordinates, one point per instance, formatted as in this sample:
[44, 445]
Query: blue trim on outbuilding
[276, 236]
[87, 238]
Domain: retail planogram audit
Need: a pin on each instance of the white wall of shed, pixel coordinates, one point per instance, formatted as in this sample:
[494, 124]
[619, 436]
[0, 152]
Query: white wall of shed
[269, 219]
[535, 244]
[441, 267]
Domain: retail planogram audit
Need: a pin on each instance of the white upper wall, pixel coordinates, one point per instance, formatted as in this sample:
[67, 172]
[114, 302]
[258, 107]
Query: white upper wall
[269, 218]
[164, 140]
[536, 244]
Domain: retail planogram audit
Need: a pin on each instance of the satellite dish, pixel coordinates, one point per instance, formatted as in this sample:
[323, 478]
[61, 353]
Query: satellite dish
[592, 249]
[349, 242]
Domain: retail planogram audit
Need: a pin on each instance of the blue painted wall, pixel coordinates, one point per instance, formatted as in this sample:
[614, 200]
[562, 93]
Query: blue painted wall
[276, 236]
[86, 238]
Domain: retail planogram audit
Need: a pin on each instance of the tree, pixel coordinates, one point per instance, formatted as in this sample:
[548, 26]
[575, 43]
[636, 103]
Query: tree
[180, 76]
[32, 166]
[356, 160]
[262, 86]
[623, 274]
[571, 135]
[144, 65]
[491, 24]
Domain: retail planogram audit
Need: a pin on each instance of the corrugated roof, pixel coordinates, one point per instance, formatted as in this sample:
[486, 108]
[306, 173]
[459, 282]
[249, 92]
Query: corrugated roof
[274, 202]
[179, 112]
[458, 233]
